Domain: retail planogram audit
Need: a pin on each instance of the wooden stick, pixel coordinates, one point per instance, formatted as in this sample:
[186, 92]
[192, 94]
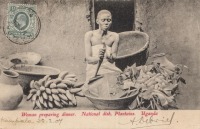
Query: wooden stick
[100, 62]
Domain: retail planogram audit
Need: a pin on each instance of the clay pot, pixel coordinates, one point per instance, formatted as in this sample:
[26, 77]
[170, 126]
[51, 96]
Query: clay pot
[163, 61]
[11, 92]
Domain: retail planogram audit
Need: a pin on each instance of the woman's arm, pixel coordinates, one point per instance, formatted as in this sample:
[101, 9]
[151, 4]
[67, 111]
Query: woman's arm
[115, 46]
[88, 49]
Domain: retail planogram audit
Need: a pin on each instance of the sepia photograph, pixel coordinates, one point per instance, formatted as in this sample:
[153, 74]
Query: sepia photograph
[90, 59]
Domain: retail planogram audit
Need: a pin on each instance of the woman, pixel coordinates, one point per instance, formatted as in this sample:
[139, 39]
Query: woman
[101, 44]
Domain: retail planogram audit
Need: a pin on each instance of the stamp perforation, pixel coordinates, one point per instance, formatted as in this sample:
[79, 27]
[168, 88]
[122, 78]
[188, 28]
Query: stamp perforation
[22, 24]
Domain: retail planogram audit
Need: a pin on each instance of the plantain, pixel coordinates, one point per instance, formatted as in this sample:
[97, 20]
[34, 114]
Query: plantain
[53, 85]
[42, 88]
[57, 104]
[145, 69]
[61, 91]
[54, 91]
[164, 81]
[62, 85]
[48, 91]
[78, 84]
[34, 104]
[62, 74]
[46, 78]
[65, 103]
[47, 84]
[55, 97]
[156, 86]
[45, 96]
[161, 77]
[32, 91]
[45, 104]
[50, 104]
[74, 101]
[63, 97]
[68, 82]
[57, 80]
[41, 99]
[150, 74]
[32, 84]
[142, 80]
[72, 79]
[38, 104]
[152, 78]
[36, 85]
[34, 97]
[70, 76]
[41, 82]
[38, 93]
[158, 80]
[153, 82]
[29, 96]
[75, 90]
[69, 95]
[50, 98]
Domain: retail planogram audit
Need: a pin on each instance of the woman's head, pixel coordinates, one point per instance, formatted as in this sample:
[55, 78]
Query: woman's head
[104, 19]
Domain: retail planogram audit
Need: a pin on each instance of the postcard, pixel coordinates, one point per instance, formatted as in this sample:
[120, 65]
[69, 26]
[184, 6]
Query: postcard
[99, 64]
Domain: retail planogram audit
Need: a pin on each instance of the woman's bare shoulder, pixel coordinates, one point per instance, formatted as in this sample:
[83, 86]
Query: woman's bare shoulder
[113, 33]
[89, 33]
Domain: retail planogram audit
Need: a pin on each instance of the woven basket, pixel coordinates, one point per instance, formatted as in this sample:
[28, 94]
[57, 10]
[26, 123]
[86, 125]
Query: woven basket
[111, 104]
[133, 48]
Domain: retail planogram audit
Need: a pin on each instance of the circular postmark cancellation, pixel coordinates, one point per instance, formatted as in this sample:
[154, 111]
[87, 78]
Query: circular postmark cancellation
[22, 24]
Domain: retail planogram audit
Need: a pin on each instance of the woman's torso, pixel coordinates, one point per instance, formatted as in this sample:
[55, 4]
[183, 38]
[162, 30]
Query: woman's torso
[97, 39]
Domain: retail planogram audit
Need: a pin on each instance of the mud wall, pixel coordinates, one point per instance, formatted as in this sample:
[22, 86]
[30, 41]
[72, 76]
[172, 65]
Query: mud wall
[174, 28]
[60, 42]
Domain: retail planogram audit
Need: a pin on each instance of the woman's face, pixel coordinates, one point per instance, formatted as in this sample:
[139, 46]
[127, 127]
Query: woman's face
[104, 21]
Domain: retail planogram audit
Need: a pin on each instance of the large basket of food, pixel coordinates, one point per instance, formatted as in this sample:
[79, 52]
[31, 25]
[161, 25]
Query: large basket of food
[133, 48]
[107, 94]
[112, 104]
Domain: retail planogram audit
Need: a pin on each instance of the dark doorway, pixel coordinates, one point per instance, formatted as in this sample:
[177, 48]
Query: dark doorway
[122, 13]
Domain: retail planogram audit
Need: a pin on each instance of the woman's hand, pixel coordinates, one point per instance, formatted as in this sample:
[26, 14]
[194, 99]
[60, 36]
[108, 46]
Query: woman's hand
[101, 53]
[110, 58]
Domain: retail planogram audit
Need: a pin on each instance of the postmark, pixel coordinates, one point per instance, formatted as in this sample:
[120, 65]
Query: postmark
[22, 23]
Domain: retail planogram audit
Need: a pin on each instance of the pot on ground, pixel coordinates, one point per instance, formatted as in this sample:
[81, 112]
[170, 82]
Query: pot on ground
[11, 92]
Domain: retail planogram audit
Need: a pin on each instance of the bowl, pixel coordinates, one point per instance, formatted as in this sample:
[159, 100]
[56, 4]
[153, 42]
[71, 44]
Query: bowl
[27, 73]
[111, 104]
[31, 58]
[133, 48]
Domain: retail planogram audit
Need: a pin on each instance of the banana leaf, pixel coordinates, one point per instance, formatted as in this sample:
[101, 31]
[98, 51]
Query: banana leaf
[171, 87]
[146, 95]
[128, 84]
[164, 99]
[161, 97]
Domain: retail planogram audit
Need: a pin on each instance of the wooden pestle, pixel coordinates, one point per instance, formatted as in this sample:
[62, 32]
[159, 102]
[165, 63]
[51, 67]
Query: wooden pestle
[100, 62]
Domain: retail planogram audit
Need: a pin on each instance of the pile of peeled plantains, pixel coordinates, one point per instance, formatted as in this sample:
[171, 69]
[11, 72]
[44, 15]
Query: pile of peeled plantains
[157, 83]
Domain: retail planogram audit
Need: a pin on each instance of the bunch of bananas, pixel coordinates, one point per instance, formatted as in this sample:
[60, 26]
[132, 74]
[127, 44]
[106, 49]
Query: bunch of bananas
[48, 93]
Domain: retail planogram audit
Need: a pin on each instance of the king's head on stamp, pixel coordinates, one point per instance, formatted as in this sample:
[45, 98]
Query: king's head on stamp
[20, 21]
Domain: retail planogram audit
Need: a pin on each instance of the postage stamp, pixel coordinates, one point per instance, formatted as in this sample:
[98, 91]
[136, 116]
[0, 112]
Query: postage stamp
[22, 23]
